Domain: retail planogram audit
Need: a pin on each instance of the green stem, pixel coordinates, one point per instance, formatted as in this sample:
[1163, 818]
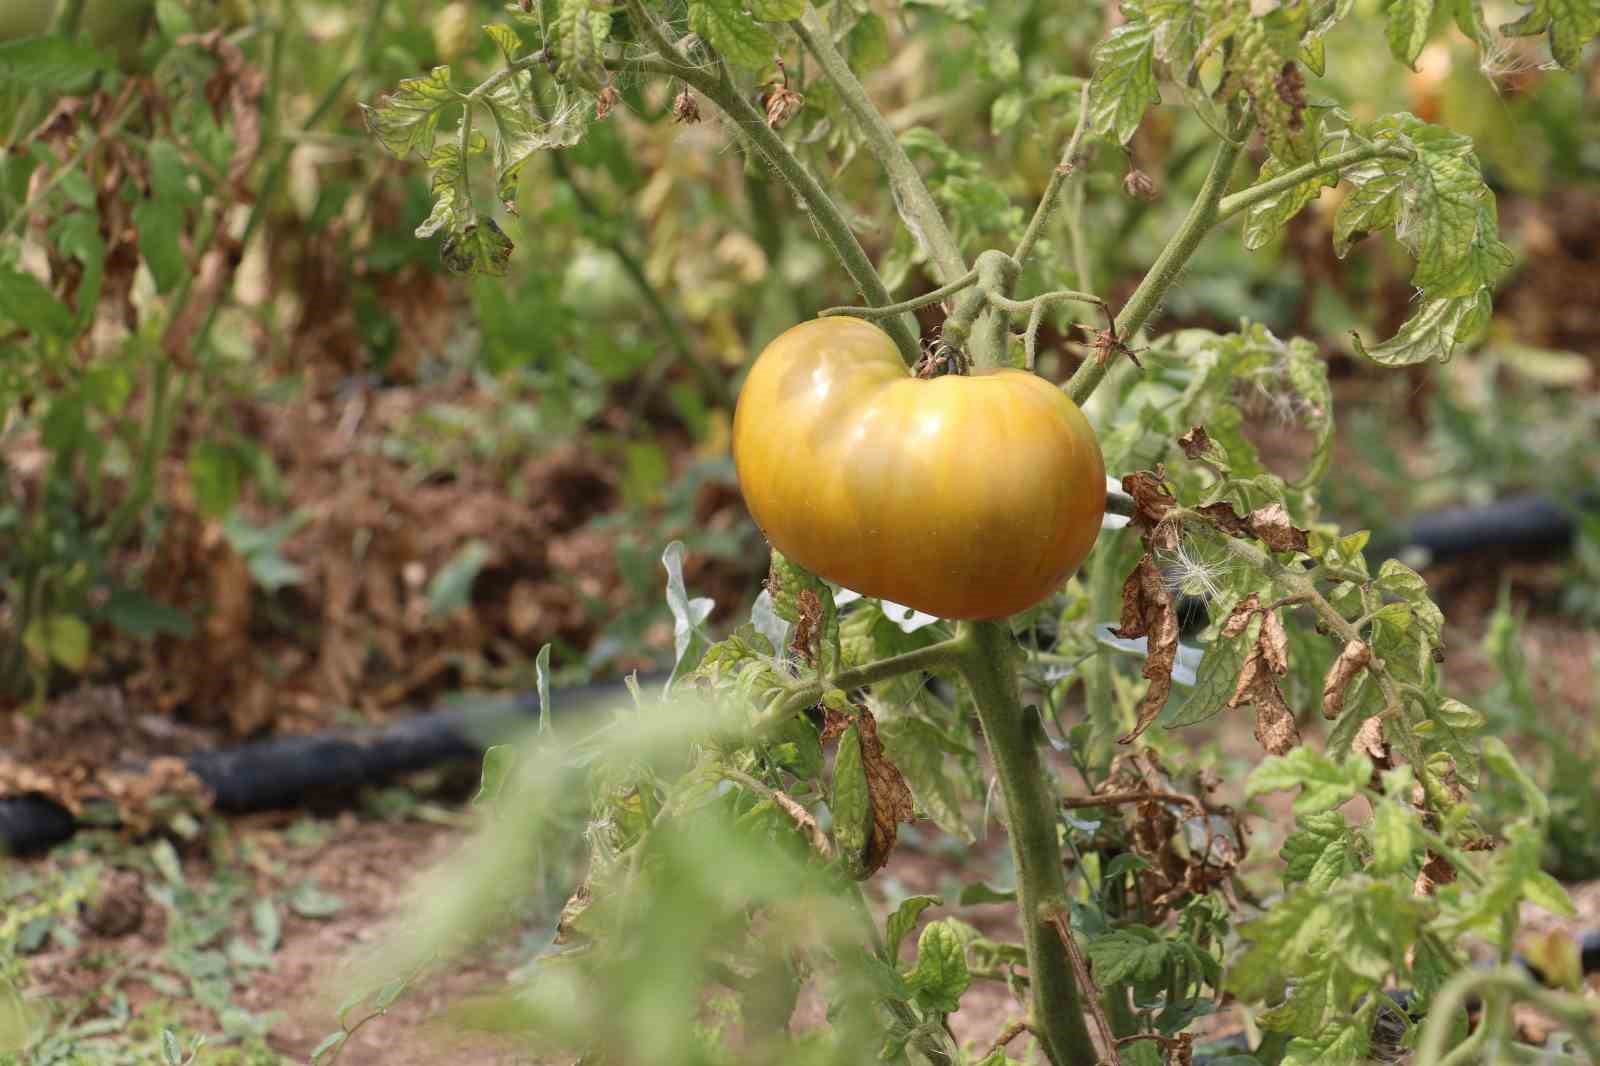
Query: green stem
[945, 654]
[911, 196]
[1247, 198]
[997, 272]
[906, 305]
[1452, 1000]
[715, 85]
[1052, 190]
[1169, 264]
[989, 669]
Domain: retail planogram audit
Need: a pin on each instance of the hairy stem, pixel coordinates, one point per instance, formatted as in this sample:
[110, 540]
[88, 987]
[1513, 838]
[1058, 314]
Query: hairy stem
[1052, 190]
[989, 669]
[947, 654]
[1243, 200]
[1169, 264]
[911, 196]
[905, 305]
[715, 85]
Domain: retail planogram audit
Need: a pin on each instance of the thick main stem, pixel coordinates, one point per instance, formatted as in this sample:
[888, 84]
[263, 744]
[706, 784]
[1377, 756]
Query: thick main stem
[989, 668]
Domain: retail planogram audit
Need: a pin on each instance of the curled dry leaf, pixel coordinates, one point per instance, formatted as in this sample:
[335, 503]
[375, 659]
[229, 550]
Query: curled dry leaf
[1151, 500]
[1225, 518]
[1369, 741]
[1435, 872]
[1195, 443]
[887, 792]
[1241, 615]
[1272, 527]
[1147, 611]
[782, 103]
[808, 627]
[1258, 683]
[1352, 659]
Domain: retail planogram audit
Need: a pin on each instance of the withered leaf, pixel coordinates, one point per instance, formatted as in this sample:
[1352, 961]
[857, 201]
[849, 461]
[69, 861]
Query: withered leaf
[1369, 741]
[1352, 659]
[1151, 500]
[1241, 615]
[1225, 518]
[887, 793]
[1147, 611]
[1435, 872]
[1196, 442]
[1272, 526]
[807, 627]
[1258, 687]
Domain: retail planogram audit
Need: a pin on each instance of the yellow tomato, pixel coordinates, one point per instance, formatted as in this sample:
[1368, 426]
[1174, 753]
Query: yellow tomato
[961, 496]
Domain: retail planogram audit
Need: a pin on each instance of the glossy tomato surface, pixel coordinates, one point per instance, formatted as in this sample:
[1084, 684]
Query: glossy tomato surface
[962, 496]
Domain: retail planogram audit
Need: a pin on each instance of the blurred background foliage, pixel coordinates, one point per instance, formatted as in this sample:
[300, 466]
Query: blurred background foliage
[264, 459]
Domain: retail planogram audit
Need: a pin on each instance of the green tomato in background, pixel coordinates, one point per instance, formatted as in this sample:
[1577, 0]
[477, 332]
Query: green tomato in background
[597, 285]
[118, 25]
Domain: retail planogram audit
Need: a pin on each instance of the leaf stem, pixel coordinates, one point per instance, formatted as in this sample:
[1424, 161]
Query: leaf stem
[911, 197]
[906, 305]
[946, 654]
[988, 665]
[1169, 264]
[1247, 198]
[1052, 190]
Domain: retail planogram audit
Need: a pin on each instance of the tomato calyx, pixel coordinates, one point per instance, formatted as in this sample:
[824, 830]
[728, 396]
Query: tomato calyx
[940, 360]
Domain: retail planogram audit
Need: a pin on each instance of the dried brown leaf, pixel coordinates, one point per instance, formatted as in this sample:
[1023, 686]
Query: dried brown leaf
[1258, 685]
[1352, 659]
[1241, 615]
[1272, 526]
[1196, 442]
[888, 793]
[1151, 500]
[1274, 643]
[1275, 727]
[1369, 741]
[1225, 518]
[1147, 611]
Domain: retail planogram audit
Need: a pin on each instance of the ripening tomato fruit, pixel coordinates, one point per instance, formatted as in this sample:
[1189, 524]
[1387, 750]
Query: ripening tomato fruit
[961, 496]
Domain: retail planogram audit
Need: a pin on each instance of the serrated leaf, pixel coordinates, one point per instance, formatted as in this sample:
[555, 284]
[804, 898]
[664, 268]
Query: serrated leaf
[1124, 82]
[940, 975]
[1342, 1043]
[520, 131]
[1324, 784]
[408, 119]
[903, 920]
[505, 38]
[1432, 332]
[735, 34]
[1571, 25]
[1133, 954]
[1393, 839]
[1315, 836]
[1407, 28]
[1266, 218]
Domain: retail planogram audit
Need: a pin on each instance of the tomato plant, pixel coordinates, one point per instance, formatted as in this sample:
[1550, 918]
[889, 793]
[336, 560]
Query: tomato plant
[960, 496]
[972, 496]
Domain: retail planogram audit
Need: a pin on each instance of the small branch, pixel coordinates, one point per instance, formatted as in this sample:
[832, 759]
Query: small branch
[1115, 799]
[1247, 198]
[911, 196]
[1577, 1014]
[946, 654]
[905, 305]
[1037, 306]
[997, 271]
[1052, 190]
[1169, 264]
[797, 813]
[1086, 985]
[1009, 1033]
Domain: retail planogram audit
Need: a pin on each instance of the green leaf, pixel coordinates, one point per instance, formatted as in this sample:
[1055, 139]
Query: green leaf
[687, 614]
[505, 38]
[1134, 953]
[498, 762]
[1542, 890]
[171, 1050]
[1266, 218]
[868, 42]
[1571, 25]
[541, 687]
[308, 900]
[851, 804]
[1320, 844]
[1215, 679]
[137, 615]
[1393, 839]
[1498, 760]
[479, 247]
[58, 638]
[1323, 783]
[1343, 1043]
[407, 120]
[32, 307]
[1373, 202]
[940, 975]
[519, 131]
[216, 472]
[735, 34]
[160, 226]
[777, 10]
[920, 751]
[903, 920]
[450, 589]
[1124, 82]
[1439, 221]
[328, 1043]
[1432, 332]
[52, 63]
[1407, 29]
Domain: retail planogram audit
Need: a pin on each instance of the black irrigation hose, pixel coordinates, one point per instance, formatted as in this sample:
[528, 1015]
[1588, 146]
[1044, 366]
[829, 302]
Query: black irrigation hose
[285, 772]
